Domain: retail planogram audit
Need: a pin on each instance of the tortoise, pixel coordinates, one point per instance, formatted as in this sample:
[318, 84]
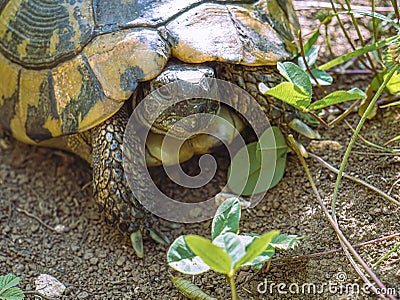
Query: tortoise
[69, 66]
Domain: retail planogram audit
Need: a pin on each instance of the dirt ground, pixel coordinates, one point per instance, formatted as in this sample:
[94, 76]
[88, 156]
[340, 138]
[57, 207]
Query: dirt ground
[95, 261]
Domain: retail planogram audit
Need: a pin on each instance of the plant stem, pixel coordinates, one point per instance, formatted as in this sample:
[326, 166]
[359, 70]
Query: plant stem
[231, 281]
[360, 37]
[386, 255]
[354, 137]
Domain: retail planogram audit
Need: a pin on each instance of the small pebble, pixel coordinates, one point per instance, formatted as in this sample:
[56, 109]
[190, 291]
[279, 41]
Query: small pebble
[121, 261]
[93, 261]
[75, 248]
[83, 295]
[49, 286]
[87, 255]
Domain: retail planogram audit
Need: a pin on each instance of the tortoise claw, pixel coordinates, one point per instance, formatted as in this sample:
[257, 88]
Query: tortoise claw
[137, 243]
[302, 128]
[159, 237]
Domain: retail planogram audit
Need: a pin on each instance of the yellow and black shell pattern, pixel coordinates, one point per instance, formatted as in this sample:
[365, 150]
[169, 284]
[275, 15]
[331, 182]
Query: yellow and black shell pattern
[68, 65]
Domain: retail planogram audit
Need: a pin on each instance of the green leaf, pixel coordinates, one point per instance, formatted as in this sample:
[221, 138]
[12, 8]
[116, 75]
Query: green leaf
[322, 77]
[291, 94]
[244, 170]
[337, 97]
[311, 57]
[358, 52]
[375, 15]
[182, 259]
[232, 244]
[248, 238]
[226, 218]
[393, 86]
[262, 258]
[257, 247]
[12, 293]
[311, 41]
[7, 284]
[264, 147]
[279, 168]
[7, 281]
[377, 81]
[295, 75]
[215, 257]
[285, 242]
[265, 161]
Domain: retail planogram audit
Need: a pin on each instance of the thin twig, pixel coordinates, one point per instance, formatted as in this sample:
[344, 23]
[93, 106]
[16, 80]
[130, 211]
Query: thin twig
[38, 294]
[319, 119]
[392, 186]
[312, 255]
[375, 30]
[344, 114]
[307, 5]
[390, 150]
[37, 219]
[396, 10]
[349, 40]
[360, 36]
[303, 55]
[347, 36]
[359, 181]
[86, 185]
[349, 72]
[328, 41]
[396, 153]
[325, 253]
[341, 236]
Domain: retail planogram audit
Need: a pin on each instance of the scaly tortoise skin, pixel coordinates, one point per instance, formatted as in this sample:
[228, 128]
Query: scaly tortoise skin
[68, 66]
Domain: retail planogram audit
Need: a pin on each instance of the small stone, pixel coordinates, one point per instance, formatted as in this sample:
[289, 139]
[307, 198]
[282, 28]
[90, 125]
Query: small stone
[375, 211]
[75, 248]
[6, 229]
[314, 146]
[34, 227]
[60, 228]
[47, 245]
[121, 261]
[101, 254]
[18, 268]
[83, 295]
[219, 291]
[93, 261]
[88, 255]
[4, 145]
[49, 286]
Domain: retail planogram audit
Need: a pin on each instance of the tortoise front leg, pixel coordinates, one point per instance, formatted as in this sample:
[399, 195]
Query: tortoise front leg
[111, 190]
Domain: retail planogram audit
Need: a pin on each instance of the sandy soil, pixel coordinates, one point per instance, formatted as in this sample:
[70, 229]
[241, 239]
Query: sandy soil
[96, 262]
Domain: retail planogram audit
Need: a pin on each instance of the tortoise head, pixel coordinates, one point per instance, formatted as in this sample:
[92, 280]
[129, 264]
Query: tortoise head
[180, 100]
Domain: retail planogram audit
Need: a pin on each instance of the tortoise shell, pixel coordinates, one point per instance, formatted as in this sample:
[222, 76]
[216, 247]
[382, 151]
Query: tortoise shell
[68, 65]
